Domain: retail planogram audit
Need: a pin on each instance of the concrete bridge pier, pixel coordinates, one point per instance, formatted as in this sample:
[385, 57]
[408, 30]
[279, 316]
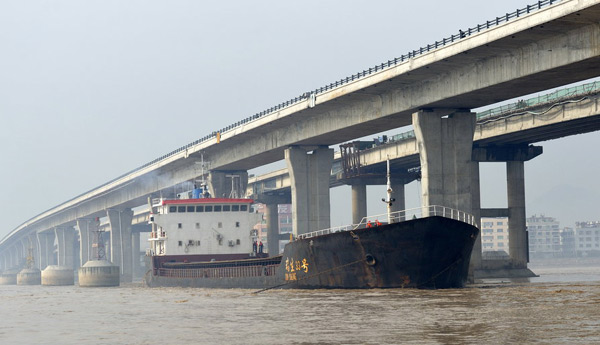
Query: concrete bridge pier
[272, 203]
[359, 197]
[65, 237]
[476, 255]
[309, 176]
[359, 202]
[46, 248]
[86, 236]
[121, 249]
[517, 229]
[514, 156]
[445, 145]
[398, 194]
[227, 183]
[135, 253]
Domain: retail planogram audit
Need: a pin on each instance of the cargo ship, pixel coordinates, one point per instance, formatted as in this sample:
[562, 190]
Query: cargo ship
[209, 243]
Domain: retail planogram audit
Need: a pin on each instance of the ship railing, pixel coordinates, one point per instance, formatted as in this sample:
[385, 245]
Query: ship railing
[219, 272]
[396, 217]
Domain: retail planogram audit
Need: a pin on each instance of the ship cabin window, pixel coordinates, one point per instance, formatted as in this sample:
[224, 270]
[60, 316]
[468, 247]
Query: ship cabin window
[180, 243]
[237, 225]
[226, 208]
[190, 242]
[181, 209]
[199, 208]
[197, 225]
[220, 225]
[172, 209]
[179, 226]
[191, 208]
[244, 208]
[237, 241]
[208, 208]
[235, 208]
[198, 242]
[217, 208]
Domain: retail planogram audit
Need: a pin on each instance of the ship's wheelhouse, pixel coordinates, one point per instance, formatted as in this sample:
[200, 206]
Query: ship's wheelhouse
[204, 226]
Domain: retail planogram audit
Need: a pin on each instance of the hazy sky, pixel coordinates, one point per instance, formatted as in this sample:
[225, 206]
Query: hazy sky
[92, 89]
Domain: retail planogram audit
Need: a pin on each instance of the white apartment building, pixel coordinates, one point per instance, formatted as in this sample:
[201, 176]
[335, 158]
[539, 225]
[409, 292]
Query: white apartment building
[587, 238]
[494, 234]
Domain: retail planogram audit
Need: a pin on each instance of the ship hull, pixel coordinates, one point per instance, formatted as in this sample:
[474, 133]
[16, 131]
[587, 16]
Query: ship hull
[432, 252]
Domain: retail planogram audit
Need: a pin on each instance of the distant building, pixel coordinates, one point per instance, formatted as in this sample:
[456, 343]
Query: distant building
[494, 237]
[548, 240]
[587, 238]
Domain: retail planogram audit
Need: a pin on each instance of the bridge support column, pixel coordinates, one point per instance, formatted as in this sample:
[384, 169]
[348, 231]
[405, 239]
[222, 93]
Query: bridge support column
[476, 256]
[517, 238]
[120, 241]
[272, 218]
[309, 176]
[135, 245]
[86, 228]
[46, 248]
[65, 237]
[35, 250]
[445, 146]
[398, 194]
[227, 183]
[14, 256]
[359, 202]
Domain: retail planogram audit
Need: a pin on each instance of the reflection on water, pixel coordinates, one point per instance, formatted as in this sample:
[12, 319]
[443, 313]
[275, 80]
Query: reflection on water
[563, 311]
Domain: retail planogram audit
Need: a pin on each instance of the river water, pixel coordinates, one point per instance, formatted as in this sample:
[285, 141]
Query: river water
[562, 306]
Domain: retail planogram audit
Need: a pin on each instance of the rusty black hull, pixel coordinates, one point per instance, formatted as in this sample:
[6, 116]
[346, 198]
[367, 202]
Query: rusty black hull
[431, 252]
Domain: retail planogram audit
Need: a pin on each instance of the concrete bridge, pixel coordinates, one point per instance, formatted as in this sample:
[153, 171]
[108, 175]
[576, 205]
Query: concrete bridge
[502, 134]
[549, 44]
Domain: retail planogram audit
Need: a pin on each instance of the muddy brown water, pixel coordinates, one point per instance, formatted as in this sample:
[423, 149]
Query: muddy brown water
[562, 306]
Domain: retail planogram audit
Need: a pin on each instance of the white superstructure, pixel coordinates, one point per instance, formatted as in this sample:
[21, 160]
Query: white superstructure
[203, 226]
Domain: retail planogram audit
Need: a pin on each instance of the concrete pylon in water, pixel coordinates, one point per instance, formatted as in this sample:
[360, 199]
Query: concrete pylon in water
[99, 273]
[55, 275]
[9, 277]
[29, 275]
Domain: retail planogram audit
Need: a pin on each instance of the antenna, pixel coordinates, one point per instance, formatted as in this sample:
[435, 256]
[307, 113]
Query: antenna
[99, 243]
[234, 188]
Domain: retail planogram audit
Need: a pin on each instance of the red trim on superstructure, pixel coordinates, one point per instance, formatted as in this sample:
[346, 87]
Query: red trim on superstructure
[207, 201]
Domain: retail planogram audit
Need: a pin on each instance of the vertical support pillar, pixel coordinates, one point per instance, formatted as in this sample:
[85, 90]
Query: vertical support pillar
[272, 218]
[46, 248]
[517, 237]
[445, 146]
[20, 254]
[83, 226]
[309, 175]
[398, 194]
[135, 245]
[65, 238]
[476, 255]
[120, 241]
[35, 252]
[359, 202]
[221, 183]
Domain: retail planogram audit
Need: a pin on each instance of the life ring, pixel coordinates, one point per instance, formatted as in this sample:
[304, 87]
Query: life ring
[370, 260]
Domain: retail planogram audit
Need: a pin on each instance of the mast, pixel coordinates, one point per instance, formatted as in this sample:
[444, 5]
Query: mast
[389, 200]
